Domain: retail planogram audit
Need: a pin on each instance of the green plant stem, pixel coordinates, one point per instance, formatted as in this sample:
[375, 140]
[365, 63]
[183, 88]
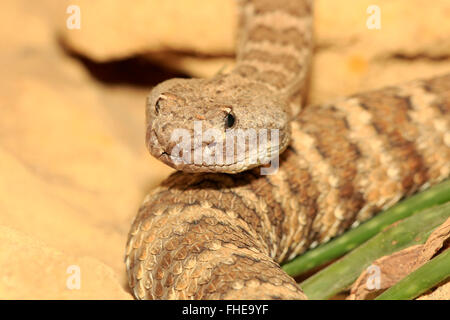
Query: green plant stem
[410, 231]
[427, 276]
[351, 239]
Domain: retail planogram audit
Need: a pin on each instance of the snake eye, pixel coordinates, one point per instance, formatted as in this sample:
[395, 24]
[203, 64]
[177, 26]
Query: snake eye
[229, 120]
[158, 105]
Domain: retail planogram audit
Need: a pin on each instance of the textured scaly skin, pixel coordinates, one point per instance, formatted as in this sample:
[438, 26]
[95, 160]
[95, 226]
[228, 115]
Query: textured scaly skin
[219, 236]
[265, 90]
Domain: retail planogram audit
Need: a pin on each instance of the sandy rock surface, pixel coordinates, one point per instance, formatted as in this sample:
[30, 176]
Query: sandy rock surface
[113, 29]
[73, 165]
[412, 42]
[74, 168]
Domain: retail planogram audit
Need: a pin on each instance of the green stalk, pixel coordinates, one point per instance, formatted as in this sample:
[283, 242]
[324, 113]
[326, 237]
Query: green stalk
[351, 239]
[427, 276]
[410, 231]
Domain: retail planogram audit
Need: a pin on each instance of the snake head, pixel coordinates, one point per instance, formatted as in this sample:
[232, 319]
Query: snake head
[215, 125]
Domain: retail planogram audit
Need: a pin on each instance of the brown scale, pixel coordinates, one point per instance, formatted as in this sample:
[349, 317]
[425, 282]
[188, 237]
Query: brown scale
[295, 35]
[219, 236]
[284, 37]
[391, 126]
[285, 60]
[333, 144]
[293, 7]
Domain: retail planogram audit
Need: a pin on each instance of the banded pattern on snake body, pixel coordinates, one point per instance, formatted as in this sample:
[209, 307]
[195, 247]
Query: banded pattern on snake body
[275, 47]
[220, 236]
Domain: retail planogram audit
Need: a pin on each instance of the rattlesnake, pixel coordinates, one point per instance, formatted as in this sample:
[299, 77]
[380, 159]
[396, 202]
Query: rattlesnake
[221, 236]
[265, 90]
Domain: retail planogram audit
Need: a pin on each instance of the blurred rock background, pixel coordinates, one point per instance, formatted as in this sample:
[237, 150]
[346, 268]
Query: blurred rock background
[73, 165]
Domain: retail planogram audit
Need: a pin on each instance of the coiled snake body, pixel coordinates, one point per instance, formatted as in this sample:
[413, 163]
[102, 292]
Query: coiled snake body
[221, 236]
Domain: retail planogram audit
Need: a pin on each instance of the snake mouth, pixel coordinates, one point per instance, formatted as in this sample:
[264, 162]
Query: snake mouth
[187, 162]
[175, 162]
[180, 163]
